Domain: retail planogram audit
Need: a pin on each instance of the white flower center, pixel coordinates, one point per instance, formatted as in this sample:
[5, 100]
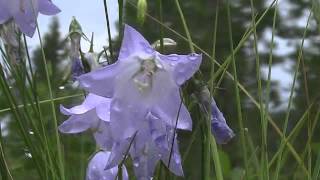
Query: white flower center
[143, 77]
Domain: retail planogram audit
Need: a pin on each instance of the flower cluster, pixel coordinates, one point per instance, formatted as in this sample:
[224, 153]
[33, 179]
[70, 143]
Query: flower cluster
[25, 12]
[134, 107]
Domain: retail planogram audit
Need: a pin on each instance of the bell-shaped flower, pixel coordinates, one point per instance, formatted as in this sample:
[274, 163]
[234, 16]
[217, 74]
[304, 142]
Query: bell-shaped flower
[93, 114]
[219, 126]
[143, 81]
[96, 168]
[25, 12]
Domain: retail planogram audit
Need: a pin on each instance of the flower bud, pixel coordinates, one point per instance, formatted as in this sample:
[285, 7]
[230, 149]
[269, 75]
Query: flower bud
[142, 10]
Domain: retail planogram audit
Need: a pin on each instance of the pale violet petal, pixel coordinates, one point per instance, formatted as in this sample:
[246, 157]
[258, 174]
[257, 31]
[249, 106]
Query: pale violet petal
[79, 123]
[168, 109]
[219, 127]
[184, 66]
[100, 81]
[126, 118]
[103, 110]
[103, 136]
[96, 168]
[133, 42]
[118, 153]
[26, 24]
[90, 102]
[4, 13]
[175, 160]
[46, 7]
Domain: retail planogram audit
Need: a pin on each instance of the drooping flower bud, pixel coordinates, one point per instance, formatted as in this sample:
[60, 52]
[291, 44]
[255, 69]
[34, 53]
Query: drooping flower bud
[75, 34]
[219, 127]
[169, 45]
[142, 10]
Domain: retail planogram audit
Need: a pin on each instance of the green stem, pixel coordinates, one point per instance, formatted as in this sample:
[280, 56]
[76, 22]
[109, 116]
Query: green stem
[238, 99]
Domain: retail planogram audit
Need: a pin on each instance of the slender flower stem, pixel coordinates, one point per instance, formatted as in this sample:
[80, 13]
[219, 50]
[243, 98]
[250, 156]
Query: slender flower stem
[161, 27]
[284, 130]
[238, 99]
[185, 26]
[211, 139]
[264, 174]
[268, 88]
[4, 168]
[108, 29]
[43, 102]
[53, 109]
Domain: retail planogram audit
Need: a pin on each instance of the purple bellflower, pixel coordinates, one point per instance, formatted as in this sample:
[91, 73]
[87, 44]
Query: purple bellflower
[93, 114]
[25, 12]
[151, 143]
[142, 81]
[219, 127]
[96, 168]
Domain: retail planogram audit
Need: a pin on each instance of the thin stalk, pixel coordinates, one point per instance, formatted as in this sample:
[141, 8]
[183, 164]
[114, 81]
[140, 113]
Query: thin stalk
[5, 171]
[212, 142]
[185, 27]
[53, 109]
[120, 4]
[284, 130]
[264, 153]
[108, 28]
[236, 88]
[43, 102]
[161, 27]
[268, 88]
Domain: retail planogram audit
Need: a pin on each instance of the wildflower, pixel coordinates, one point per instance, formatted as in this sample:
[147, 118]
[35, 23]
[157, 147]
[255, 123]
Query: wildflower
[75, 34]
[93, 114]
[219, 127]
[142, 81]
[25, 12]
[96, 168]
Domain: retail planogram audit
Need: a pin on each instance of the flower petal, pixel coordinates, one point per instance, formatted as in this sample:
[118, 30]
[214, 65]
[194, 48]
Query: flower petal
[79, 123]
[90, 102]
[144, 164]
[26, 23]
[133, 42]
[103, 135]
[175, 160]
[118, 152]
[103, 110]
[219, 127]
[184, 66]
[126, 117]
[96, 168]
[100, 81]
[46, 7]
[167, 109]
[4, 13]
